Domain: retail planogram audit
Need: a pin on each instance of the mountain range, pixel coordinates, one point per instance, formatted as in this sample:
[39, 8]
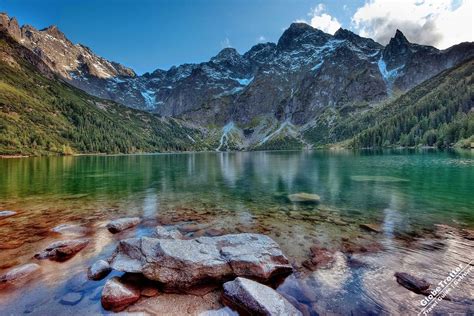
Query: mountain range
[308, 89]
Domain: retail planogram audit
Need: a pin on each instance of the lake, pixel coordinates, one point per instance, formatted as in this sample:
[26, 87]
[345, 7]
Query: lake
[422, 202]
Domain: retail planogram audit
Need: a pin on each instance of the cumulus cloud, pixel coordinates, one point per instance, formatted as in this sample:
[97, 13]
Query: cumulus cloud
[441, 23]
[323, 21]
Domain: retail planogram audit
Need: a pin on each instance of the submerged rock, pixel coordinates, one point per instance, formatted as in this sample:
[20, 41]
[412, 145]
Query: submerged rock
[19, 275]
[122, 224]
[256, 299]
[7, 213]
[62, 250]
[184, 263]
[99, 270]
[304, 198]
[371, 228]
[70, 229]
[320, 257]
[117, 296]
[412, 283]
[72, 298]
[163, 232]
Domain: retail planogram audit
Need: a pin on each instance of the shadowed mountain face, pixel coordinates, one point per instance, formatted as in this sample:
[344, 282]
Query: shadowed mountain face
[305, 73]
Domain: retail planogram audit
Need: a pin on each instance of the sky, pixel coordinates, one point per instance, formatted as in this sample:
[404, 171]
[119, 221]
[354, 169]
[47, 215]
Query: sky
[150, 34]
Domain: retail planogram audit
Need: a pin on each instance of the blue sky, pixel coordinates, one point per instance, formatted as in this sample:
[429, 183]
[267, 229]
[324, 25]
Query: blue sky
[146, 35]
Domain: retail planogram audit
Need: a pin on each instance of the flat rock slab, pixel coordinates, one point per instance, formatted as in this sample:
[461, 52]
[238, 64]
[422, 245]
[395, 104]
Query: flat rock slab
[256, 299]
[19, 275]
[122, 224]
[180, 263]
[304, 198]
[117, 296]
[62, 250]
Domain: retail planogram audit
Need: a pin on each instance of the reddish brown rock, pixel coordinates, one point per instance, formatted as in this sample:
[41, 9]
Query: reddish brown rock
[412, 283]
[320, 258]
[19, 275]
[62, 250]
[116, 296]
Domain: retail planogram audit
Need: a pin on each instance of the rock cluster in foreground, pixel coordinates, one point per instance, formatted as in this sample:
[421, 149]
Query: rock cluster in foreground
[181, 264]
[178, 263]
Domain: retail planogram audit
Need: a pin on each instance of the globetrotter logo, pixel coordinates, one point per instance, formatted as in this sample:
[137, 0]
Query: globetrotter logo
[456, 276]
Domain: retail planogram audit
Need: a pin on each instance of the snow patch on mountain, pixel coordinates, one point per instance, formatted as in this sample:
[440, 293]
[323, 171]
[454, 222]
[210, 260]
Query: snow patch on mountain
[149, 97]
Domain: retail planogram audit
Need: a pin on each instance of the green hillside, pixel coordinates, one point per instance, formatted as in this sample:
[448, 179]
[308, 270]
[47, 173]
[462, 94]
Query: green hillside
[39, 114]
[438, 112]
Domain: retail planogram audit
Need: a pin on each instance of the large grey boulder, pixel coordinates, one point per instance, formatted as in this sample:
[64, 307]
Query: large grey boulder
[180, 263]
[121, 224]
[62, 250]
[256, 299]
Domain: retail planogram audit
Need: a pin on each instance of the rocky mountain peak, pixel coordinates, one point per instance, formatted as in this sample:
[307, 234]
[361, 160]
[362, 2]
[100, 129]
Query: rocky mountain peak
[227, 54]
[399, 39]
[301, 33]
[54, 31]
[10, 25]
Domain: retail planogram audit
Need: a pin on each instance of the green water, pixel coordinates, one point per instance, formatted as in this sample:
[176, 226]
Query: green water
[425, 186]
[405, 192]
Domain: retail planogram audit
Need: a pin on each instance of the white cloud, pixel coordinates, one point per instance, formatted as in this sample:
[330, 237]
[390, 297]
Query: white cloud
[226, 43]
[440, 23]
[323, 21]
[261, 38]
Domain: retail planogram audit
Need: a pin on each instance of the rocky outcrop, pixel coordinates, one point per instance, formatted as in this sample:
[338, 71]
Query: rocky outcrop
[62, 250]
[184, 263]
[19, 275]
[117, 295]
[99, 270]
[122, 224]
[254, 298]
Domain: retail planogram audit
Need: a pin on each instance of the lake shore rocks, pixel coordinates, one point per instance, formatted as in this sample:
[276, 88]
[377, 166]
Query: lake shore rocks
[305, 198]
[122, 224]
[19, 275]
[62, 250]
[70, 229]
[116, 295]
[99, 270]
[253, 298]
[178, 263]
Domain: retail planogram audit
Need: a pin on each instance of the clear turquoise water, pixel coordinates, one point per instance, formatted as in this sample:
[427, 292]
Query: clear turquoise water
[403, 191]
